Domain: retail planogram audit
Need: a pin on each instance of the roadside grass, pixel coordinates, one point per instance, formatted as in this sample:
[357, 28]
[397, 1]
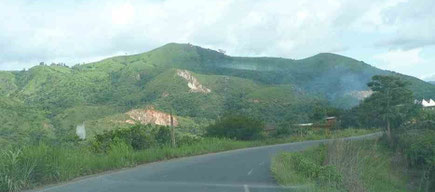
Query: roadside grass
[342, 166]
[32, 166]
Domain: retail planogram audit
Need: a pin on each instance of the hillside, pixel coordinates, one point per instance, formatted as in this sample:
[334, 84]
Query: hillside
[332, 76]
[329, 75]
[18, 121]
[197, 85]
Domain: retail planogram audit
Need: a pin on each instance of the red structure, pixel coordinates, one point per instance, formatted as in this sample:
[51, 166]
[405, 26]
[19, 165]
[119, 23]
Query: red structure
[331, 121]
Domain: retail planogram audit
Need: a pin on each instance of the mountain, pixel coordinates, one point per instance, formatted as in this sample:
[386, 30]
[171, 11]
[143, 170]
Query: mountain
[197, 85]
[432, 82]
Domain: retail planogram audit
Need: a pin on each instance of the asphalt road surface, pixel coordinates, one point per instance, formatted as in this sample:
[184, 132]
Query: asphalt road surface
[243, 170]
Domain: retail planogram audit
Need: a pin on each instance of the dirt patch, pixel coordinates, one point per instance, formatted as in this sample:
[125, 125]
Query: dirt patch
[165, 94]
[360, 95]
[254, 100]
[192, 82]
[150, 116]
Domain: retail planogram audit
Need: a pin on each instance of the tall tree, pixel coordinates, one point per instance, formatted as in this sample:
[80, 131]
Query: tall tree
[391, 102]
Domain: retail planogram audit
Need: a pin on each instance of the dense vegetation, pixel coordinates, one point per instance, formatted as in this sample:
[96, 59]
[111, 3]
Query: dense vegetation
[141, 137]
[34, 165]
[274, 90]
[408, 146]
[41, 107]
[236, 127]
[342, 166]
[409, 128]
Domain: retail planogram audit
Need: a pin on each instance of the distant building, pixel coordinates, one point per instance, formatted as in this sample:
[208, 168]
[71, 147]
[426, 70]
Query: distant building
[331, 121]
[269, 128]
[305, 125]
[428, 104]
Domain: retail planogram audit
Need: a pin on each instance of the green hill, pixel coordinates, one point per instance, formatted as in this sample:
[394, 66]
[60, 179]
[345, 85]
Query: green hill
[197, 85]
[22, 123]
[329, 75]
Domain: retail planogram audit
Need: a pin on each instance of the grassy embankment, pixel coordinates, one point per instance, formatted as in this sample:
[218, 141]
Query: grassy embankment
[342, 166]
[33, 166]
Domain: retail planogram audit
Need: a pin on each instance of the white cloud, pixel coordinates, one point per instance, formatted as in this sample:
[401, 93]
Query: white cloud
[77, 31]
[415, 62]
[428, 77]
[122, 14]
[400, 58]
[413, 23]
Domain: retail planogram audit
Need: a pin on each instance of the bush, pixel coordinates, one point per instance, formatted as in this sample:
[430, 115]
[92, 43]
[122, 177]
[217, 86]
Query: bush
[314, 170]
[163, 135]
[14, 171]
[283, 131]
[236, 127]
[416, 140]
[138, 137]
[187, 139]
[285, 128]
[121, 154]
[419, 147]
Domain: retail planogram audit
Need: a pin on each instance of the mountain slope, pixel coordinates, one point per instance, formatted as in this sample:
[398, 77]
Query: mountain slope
[7, 83]
[22, 123]
[197, 85]
[327, 74]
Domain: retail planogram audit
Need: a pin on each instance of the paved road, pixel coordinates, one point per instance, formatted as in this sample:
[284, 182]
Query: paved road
[244, 170]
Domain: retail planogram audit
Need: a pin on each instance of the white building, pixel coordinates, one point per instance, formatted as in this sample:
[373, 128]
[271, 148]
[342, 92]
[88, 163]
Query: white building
[428, 104]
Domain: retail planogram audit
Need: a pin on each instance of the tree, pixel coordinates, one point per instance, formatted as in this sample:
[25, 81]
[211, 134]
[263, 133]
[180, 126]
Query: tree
[391, 102]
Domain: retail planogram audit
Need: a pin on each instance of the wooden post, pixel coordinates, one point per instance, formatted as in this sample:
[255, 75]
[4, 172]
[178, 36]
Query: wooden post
[172, 131]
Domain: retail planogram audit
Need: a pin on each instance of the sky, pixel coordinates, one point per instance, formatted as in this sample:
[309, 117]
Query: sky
[397, 35]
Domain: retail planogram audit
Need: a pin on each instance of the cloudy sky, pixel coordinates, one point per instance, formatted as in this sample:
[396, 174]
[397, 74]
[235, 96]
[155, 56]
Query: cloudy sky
[397, 35]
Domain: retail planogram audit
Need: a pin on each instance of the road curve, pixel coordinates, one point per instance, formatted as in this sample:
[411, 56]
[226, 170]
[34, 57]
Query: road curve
[242, 170]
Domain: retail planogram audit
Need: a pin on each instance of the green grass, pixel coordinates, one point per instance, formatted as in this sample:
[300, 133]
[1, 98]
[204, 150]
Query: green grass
[342, 166]
[36, 165]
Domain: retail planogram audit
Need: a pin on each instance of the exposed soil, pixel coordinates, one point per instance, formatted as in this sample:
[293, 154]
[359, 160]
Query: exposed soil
[192, 82]
[150, 116]
[360, 95]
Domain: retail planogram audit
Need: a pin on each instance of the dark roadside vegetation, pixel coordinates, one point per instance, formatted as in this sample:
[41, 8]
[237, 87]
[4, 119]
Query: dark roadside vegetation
[402, 160]
[30, 166]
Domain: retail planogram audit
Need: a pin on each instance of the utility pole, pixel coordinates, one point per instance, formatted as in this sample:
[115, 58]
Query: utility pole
[172, 131]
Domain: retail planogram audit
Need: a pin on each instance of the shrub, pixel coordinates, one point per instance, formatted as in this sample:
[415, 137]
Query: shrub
[314, 170]
[163, 135]
[138, 137]
[236, 127]
[416, 141]
[283, 131]
[419, 147]
[15, 171]
[121, 154]
[187, 139]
